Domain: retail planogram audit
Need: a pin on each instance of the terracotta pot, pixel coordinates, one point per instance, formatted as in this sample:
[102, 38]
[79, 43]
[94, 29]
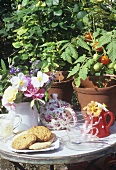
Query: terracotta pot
[62, 86]
[105, 95]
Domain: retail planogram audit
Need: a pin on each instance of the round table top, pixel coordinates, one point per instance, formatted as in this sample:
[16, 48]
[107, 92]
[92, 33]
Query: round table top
[62, 155]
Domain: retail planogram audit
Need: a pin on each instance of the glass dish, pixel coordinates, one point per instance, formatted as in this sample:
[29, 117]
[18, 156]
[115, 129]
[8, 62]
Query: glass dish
[93, 144]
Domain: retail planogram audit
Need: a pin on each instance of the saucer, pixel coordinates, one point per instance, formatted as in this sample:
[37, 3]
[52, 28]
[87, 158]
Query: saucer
[94, 144]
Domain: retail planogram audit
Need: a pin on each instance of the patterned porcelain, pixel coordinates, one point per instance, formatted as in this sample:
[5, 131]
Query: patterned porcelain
[56, 113]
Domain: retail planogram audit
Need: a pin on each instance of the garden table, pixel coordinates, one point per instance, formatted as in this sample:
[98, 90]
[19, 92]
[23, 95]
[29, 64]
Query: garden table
[62, 155]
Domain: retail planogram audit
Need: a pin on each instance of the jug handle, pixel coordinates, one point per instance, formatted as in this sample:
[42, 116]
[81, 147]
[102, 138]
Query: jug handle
[112, 118]
[72, 113]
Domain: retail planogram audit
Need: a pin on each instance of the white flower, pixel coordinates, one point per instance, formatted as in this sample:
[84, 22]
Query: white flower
[9, 96]
[40, 79]
[19, 82]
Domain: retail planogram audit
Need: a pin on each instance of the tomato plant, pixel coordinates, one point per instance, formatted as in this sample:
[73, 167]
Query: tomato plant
[88, 37]
[97, 49]
[104, 60]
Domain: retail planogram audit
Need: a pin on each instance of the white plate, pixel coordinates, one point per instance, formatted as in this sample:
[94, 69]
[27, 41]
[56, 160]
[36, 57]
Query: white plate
[54, 145]
[93, 145]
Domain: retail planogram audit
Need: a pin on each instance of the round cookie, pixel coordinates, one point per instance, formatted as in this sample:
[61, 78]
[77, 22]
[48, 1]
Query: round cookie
[19, 134]
[52, 137]
[23, 141]
[43, 134]
[43, 145]
[40, 145]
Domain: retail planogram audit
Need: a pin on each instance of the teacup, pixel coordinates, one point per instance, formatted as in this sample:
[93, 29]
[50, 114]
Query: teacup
[81, 130]
[7, 125]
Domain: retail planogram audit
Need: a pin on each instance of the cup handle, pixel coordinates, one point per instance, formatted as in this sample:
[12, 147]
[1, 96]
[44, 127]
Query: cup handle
[72, 113]
[18, 123]
[112, 118]
[96, 133]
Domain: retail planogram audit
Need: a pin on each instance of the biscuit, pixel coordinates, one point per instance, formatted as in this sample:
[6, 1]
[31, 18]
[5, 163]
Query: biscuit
[43, 145]
[52, 137]
[40, 145]
[43, 134]
[23, 141]
[19, 134]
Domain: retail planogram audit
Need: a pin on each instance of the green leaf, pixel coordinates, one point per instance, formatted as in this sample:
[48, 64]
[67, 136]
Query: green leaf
[83, 44]
[24, 2]
[77, 81]
[32, 103]
[24, 57]
[66, 57]
[55, 2]
[58, 12]
[76, 8]
[73, 51]
[83, 72]
[54, 24]
[111, 47]
[81, 14]
[104, 40]
[62, 25]
[3, 65]
[16, 44]
[74, 70]
[22, 30]
[81, 59]
[49, 2]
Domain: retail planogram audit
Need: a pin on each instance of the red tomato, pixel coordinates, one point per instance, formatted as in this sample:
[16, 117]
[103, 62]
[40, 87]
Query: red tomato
[97, 49]
[104, 60]
[88, 37]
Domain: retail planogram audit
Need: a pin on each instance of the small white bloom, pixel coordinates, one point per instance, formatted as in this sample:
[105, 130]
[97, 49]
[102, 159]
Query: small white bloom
[40, 79]
[19, 82]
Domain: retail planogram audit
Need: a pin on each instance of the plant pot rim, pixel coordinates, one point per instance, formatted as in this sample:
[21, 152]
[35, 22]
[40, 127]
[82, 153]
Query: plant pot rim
[63, 81]
[93, 90]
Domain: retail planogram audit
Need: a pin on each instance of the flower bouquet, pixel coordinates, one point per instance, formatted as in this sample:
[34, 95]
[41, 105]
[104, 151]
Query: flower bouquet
[25, 88]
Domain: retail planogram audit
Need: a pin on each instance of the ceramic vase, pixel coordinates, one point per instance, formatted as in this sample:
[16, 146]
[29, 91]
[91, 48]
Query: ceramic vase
[29, 116]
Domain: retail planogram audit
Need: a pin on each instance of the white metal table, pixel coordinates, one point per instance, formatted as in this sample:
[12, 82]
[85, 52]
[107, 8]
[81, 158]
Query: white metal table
[62, 155]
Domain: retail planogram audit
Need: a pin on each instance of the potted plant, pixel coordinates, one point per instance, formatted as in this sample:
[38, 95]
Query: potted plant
[95, 51]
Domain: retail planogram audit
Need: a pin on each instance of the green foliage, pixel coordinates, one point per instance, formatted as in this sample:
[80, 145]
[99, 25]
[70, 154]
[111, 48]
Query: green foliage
[35, 23]
[53, 33]
[85, 64]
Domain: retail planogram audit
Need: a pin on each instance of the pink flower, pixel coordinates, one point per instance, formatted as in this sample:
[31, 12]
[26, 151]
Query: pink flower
[34, 93]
